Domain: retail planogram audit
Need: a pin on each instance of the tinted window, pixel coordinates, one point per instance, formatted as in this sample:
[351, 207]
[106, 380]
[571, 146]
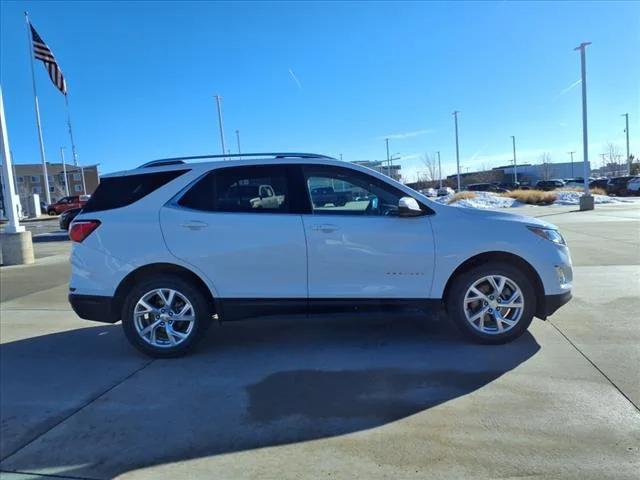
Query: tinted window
[343, 191]
[116, 192]
[255, 189]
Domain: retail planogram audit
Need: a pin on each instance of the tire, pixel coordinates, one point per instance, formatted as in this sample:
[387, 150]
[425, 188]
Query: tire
[161, 344]
[51, 213]
[488, 329]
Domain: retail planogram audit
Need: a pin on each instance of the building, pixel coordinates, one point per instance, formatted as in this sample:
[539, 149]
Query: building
[29, 180]
[528, 174]
[393, 171]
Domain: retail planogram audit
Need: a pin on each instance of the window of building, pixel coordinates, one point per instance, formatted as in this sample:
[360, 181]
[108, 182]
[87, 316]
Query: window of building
[35, 179]
[77, 188]
[20, 179]
[77, 177]
[36, 190]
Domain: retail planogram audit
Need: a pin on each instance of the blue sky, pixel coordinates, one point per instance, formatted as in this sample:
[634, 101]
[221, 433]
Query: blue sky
[327, 77]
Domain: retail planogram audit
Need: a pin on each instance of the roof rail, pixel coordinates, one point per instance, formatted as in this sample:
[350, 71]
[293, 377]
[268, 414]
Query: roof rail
[179, 160]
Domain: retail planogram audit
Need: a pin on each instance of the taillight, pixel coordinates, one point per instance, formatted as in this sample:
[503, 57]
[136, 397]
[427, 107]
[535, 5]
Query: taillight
[82, 229]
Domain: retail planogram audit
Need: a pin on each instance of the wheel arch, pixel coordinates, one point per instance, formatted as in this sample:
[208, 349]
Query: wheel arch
[506, 257]
[153, 269]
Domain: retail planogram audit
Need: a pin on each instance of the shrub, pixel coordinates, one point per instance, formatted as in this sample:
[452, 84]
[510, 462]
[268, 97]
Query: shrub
[594, 191]
[532, 197]
[461, 196]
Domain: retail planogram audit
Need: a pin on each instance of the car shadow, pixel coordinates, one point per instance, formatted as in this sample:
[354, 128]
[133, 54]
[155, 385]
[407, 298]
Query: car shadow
[249, 385]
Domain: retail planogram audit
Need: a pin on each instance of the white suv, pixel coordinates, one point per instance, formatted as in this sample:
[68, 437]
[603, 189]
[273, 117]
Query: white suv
[172, 246]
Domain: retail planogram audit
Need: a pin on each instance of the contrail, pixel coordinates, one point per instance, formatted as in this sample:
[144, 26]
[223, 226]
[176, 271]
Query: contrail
[295, 79]
[565, 90]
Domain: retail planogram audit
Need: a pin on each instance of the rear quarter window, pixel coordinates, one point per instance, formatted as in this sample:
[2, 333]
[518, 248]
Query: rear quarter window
[118, 192]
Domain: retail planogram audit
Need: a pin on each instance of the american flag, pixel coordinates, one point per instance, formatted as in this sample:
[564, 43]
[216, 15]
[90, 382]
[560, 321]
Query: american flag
[42, 52]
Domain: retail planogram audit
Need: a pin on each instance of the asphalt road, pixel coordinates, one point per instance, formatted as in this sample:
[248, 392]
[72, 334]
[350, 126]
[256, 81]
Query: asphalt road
[380, 397]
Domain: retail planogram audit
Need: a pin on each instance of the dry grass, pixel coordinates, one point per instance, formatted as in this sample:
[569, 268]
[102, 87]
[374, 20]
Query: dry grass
[462, 196]
[594, 191]
[532, 197]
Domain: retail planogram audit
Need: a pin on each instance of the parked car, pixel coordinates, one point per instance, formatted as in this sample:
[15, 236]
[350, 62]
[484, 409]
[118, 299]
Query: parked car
[486, 187]
[444, 191]
[199, 257]
[599, 183]
[548, 185]
[509, 185]
[67, 203]
[618, 185]
[323, 196]
[633, 186]
[67, 217]
[577, 182]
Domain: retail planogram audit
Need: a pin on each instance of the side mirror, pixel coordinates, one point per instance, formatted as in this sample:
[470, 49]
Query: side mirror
[409, 207]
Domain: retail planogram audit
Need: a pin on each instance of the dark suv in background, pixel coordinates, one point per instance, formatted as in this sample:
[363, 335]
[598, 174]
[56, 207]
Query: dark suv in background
[618, 185]
[548, 185]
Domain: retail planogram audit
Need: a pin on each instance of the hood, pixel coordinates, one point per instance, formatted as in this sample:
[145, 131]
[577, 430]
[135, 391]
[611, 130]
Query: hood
[505, 217]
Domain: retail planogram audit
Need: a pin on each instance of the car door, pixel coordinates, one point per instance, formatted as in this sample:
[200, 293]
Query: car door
[248, 249]
[362, 249]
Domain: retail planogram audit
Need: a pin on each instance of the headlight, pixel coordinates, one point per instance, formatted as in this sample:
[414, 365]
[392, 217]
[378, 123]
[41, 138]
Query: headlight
[548, 234]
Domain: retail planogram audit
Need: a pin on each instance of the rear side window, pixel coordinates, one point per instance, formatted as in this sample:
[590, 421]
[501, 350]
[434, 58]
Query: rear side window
[254, 189]
[117, 192]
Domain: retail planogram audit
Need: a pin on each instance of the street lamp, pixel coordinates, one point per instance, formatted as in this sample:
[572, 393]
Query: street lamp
[571, 153]
[515, 163]
[586, 200]
[455, 116]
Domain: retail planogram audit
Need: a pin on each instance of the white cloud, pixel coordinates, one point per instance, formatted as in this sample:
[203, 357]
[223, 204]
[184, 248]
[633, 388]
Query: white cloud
[403, 135]
[295, 79]
[565, 90]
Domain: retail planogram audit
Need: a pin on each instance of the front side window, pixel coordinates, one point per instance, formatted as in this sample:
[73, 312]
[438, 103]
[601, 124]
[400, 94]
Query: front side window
[253, 189]
[342, 191]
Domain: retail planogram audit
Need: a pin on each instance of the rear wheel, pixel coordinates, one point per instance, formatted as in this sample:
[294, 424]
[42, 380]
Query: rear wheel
[492, 303]
[165, 316]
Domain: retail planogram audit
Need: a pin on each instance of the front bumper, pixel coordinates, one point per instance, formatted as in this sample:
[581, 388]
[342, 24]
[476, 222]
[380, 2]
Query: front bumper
[94, 307]
[553, 303]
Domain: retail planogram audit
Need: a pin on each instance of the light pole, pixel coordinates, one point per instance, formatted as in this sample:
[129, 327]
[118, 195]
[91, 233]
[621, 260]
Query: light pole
[586, 200]
[626, 129]
[455, 116]
[64, 172]
[224, 150]
[238, 140]
[571, 153]
[515, 163]
[386, 141]
[439, 170]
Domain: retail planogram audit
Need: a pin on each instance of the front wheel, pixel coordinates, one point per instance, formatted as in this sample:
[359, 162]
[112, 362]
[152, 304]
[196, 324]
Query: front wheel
[165, 316]
[492, 303]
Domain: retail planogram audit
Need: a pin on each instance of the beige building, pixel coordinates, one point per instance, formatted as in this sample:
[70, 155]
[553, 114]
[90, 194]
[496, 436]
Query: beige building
[29, 180]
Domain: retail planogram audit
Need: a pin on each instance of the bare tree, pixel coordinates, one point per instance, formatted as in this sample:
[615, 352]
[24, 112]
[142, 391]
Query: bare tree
[545, 160]
[615, 158]
[431, 164]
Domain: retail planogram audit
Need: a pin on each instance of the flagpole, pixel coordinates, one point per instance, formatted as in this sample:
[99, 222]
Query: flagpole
[37, 108]
[73, 144]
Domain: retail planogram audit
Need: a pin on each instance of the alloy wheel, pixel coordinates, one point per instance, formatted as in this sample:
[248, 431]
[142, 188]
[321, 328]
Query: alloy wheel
[493, 304]
[164, 317]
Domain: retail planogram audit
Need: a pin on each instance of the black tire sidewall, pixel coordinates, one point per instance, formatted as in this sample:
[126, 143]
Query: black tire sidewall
[193, 294]
[455, 302]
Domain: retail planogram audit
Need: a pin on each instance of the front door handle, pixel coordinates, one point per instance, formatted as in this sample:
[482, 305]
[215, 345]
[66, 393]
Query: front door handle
[324, 228]
[194, 225]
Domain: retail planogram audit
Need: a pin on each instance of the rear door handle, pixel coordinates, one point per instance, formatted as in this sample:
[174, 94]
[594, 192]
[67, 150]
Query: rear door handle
[325, 228]
[194, 225]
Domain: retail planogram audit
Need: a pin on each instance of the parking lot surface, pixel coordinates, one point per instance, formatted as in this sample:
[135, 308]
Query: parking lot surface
[380, 397]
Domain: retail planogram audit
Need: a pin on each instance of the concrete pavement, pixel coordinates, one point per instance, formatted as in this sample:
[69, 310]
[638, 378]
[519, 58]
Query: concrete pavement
[341, 398]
